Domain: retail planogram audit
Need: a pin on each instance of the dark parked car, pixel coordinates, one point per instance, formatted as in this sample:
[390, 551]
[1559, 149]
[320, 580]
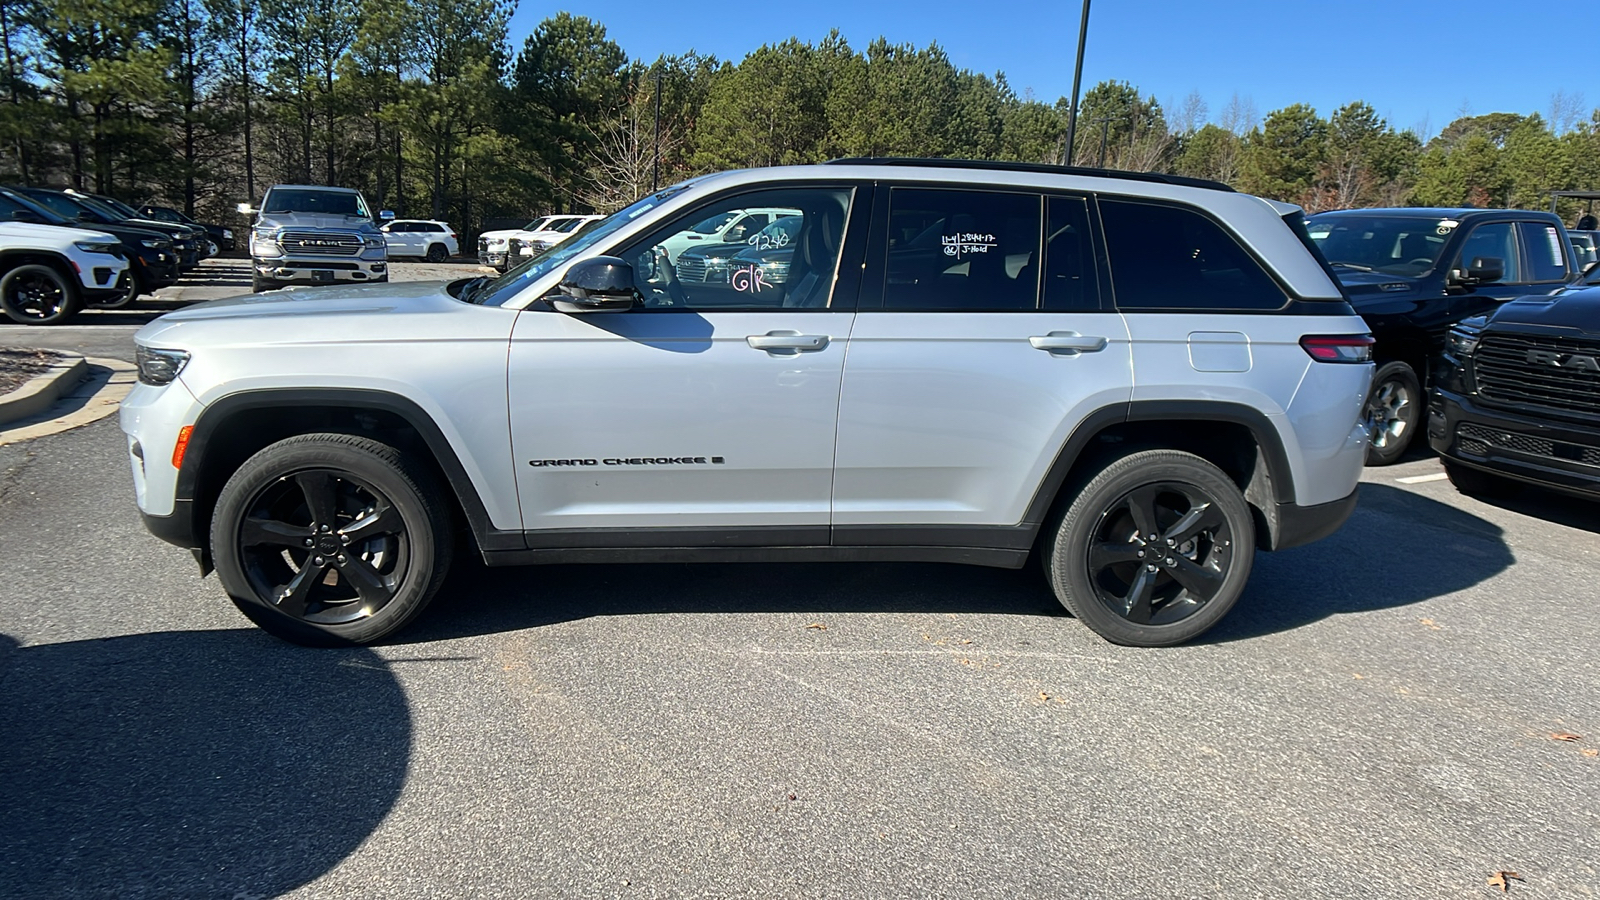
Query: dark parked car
[79, 208]
[150, 252]
[222, 237]
[1519, 397]
[1412, 273]
[202, 240]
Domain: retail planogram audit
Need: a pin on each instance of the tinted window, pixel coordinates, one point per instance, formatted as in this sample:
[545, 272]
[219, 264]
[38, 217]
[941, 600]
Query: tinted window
[1069, 270]
[1169, 257]
[1543, 243]
[433, 228]
[962, 250]
[1496, 241]
[676, 267]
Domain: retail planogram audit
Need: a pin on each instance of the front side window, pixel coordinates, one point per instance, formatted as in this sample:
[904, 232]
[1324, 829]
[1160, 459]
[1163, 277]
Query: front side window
[953, 250]
[1543, 243]
[748, 267]
[1495, 240]
[1172, 257]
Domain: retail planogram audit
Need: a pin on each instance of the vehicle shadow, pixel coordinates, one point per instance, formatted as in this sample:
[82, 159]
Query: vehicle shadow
[1398, 548]
[182, 764]
[1382, 558]
[1550, 506]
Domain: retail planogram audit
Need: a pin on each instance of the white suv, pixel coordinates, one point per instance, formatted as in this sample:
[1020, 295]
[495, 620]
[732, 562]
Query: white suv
[430, 239]
[1137, 379]
[48, 273]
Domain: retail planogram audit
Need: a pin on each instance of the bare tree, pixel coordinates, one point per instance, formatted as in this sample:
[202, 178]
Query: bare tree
[1191, 114]
[1240, 115]
[625, 154]
[1566, 111]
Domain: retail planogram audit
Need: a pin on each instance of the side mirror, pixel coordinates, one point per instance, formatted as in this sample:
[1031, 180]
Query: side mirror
[1486, 269]
[386, 214]
[1588, 268]
[246, 209]
[601, 284]
[27, 215]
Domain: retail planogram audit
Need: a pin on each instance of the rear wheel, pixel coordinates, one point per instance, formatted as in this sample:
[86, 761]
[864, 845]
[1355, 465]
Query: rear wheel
[331, 539]
[37, 294]
[437, 253]
[1154, 550]
[1393, 412]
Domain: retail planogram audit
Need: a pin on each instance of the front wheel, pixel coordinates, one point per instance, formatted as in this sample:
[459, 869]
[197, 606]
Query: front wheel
[132, 287]
[37, 294]
[1393, 412]
[1476, 482]
[436, 253]
[331, 539]
[1154, 550]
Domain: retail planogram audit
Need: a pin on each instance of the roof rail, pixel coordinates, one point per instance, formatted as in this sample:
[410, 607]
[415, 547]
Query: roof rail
[1042, 168]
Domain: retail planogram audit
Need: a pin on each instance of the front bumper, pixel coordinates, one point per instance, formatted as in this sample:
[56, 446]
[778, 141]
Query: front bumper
[1561, 456]
[347, 270]
[495, 259]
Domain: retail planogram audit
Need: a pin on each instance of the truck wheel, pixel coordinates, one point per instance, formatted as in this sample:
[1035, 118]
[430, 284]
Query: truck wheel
[437, 253]
[257, 285]
[1154, 550]
[1393, 412]
[37, 294]
[1476, 482]
[331, 539]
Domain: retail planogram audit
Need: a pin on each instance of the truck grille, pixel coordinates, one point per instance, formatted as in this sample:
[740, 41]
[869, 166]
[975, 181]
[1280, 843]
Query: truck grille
[321, 243]
[1506, 377]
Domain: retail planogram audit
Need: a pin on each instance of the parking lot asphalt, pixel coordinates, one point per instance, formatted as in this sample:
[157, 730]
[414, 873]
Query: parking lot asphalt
[1378, 717]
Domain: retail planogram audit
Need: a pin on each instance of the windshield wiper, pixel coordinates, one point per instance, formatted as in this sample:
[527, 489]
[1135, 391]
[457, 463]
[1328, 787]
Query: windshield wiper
[1352, 266]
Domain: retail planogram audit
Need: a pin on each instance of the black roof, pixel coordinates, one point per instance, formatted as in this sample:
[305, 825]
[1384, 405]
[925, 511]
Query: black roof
[1039, 168]
[1436, 212]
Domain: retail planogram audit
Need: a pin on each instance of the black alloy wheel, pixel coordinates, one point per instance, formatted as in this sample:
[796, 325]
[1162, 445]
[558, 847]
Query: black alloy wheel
[37, 294]
[1154, 550]
[437, 253]
[132, 287]
[329, 539]
[1393, 412]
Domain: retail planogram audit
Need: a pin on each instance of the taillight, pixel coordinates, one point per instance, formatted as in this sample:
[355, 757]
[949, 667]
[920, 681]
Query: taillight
[1339, 348]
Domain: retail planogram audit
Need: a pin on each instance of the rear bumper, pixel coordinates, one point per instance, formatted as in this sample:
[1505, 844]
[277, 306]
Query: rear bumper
[1561, 456]
[1299, 525]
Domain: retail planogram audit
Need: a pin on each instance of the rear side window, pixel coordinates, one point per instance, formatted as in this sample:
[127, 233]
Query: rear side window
[1169, 257]
[1543, 245]
[962, 250]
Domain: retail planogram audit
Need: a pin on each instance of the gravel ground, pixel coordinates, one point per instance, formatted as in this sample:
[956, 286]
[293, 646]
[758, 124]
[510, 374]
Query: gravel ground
[17, 366]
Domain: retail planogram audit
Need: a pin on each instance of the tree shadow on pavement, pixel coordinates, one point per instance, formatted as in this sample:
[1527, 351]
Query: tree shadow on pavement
[183, 764]
[1398, 548]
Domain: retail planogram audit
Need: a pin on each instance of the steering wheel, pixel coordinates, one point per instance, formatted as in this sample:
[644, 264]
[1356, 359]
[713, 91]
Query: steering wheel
[1419, 261]
[664, 287]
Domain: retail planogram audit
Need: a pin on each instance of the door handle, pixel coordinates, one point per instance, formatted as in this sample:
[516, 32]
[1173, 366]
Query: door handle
[791, 341]
[1068, 343]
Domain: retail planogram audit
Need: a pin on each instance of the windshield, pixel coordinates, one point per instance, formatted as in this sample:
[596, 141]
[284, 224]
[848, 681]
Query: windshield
[714, 224]
[537, 224]
[331, 203]
[123, 208]
[567, 225]
[1393, 245]
[15, 203]
[62, 204]
[507, 286]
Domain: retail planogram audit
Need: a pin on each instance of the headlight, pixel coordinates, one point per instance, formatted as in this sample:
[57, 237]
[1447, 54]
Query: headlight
[159, 367]
[376, 243]
[264, 243]
[154, 243]
[95, 246]
[1460, 343]
[497, 242]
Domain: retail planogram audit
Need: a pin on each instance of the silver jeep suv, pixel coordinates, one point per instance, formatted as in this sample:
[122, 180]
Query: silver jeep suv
[1138, 380]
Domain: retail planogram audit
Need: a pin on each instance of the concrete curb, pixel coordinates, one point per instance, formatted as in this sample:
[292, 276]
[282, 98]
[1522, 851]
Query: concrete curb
[43, 390]
[93, 399]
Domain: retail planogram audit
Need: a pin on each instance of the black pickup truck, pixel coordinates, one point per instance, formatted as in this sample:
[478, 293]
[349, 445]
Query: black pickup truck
[1413, 273]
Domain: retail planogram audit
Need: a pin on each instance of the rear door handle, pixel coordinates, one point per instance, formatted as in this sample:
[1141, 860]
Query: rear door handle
[1068, 343]
[787, 342]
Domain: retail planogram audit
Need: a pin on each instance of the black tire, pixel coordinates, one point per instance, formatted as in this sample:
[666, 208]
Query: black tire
[259, 284]
[1393, 412]
[131, 291]
[1476, 482]
[437, 253]
[37, 294]
[368, 572]
[1134, 589]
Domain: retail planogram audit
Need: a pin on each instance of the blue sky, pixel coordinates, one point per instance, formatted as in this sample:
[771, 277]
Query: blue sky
[1414, 62]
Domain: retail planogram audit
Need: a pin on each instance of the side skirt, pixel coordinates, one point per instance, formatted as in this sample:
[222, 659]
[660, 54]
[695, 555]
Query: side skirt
[974, 556]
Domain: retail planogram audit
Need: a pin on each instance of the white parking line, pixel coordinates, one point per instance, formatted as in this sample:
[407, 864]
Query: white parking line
[1419, 479]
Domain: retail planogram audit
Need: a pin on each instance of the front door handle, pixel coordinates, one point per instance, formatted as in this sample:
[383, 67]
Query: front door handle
[1068, 343]
[787, 342]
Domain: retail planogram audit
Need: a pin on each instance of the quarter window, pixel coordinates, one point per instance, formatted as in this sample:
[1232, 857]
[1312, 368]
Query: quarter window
[962, 250]
[1543, 243]
[1170, 257]
[1069, 269]
[756, 266]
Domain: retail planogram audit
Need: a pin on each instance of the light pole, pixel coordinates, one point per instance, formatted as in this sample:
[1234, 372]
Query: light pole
[655, 162]
[1077, 82]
